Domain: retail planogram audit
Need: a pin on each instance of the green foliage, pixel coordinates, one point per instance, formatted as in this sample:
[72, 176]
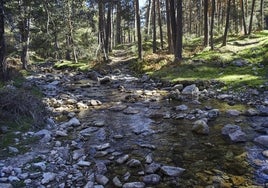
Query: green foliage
[81, 65]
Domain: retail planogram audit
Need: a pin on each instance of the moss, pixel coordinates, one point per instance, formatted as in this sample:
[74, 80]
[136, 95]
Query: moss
[81, 65]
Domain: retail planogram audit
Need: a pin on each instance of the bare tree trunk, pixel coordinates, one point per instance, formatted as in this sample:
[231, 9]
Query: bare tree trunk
[178, 48]
[137, 12]
[160, 24]
[173, 24]
[206, 40]
[243, 17]
[148, 19]
[261, 15]
[227, 23]
[170, 44]
[154, 27]
[118, 23]
[102, 31]
[251, 17]
[212, 24]
[108, 30]
[2, 42]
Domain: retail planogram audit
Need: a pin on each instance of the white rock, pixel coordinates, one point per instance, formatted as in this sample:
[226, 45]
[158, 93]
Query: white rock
[172, 171]
[48, 177]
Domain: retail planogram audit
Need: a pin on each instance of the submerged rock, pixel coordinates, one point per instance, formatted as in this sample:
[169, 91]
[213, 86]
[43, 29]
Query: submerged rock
[134, 185]
[172, 171]
[263, 140]
[234, 133]
[152, 179]
[200, 127]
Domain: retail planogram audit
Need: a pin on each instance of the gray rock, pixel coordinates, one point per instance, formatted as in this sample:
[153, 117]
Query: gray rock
[101, 179]
[149, 158]
[88, 131]
[13, 179]
[263, 110]
[177, 86]
[23, 176]
[78, 153]
[252, 112]
[102, 146]
[182, 107]
[84, 163]
[122, 159]
[48, 177]
[239, 62]
[100, 168]
[191, 90]
[126, 176]
[263, 140]
[60, 133]
[104, 80]
[3, 180]
[93, 102]
[13, 149]
[172, 171]
[238, 136]
[117, 182]
[229, 128]
[134, 163]
[233, 112]
[6, 185]
[152, 168]
[213, 113]
[89, 184]
[40, 165]
[200, 127]
[225, 96]
[152, 179]
[42, 133]
[72, 122]
[134, 185]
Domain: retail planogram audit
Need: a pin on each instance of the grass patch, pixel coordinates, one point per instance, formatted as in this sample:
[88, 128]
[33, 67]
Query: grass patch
[82, 65]
[217, 64]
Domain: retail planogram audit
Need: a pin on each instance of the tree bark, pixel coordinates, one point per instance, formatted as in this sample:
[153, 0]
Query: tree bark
[212, 24]
[170, 43]
[178, 49]
[227, 23]
[206, 40]
[243, 17]
[154, 27]
[160, 24]
[261, 15]
[137, 13]
[251, 17]
[118, 23]
[2, 42]
[173, 23]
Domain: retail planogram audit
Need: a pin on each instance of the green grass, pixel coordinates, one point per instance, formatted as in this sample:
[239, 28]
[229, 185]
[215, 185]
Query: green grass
[81, 65]
[216, 65]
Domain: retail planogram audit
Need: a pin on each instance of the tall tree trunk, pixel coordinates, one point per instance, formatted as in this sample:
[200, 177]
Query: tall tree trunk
[243, 16]
[160, 24]
[24, 28]
[170, 43]
[148, 19]
[137, 13]
[212, 24]
[70, 31]
[108, 30]
[261, 15]
[154, 27]
[118, 23]
[206, 40]
[251, 17]
[173, 23]
[227, 23]
[2, 42]
[178, 48]
[102, 31]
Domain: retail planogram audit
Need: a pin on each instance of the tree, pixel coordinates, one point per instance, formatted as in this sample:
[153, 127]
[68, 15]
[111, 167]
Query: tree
[2, 40]
[160, 24]
[227, 23]
[243, 16]
[154, 27]
[251, 17]
[138, 25]
[178, 46]
[205, 22]
[212, 23]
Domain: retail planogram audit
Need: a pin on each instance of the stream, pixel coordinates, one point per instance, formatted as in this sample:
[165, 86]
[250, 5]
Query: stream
[122, 131]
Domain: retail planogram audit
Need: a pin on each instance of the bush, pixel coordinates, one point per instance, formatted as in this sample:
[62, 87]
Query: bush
[16, 104]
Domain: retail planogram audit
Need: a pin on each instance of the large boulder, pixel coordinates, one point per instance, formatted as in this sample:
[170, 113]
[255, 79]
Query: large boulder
[263, 140]
[234, 133]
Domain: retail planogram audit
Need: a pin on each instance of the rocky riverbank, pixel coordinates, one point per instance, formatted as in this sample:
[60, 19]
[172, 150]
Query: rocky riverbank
[117, 130]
